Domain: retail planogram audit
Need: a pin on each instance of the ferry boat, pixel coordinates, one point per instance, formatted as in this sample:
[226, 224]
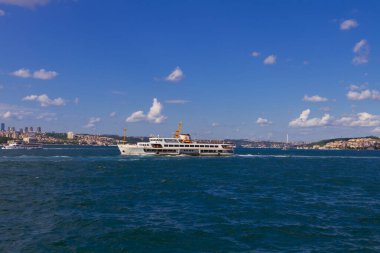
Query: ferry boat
[21, 145]
[179, 144]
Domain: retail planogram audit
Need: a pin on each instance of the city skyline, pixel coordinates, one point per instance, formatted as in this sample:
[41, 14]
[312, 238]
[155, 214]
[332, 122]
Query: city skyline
[234, 70]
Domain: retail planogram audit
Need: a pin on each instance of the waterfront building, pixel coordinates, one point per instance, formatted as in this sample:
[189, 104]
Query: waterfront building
[70, 135]
[2, 127]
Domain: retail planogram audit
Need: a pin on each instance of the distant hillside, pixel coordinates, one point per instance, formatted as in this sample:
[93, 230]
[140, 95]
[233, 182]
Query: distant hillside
[324, 142]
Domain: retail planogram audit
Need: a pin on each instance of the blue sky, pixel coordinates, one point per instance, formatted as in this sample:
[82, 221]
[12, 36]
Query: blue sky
[227, 69]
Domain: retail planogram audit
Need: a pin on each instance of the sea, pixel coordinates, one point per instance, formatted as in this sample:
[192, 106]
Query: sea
[91, 199]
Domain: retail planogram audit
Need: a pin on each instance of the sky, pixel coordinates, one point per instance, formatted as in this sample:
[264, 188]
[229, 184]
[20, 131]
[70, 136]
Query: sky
[253, 70]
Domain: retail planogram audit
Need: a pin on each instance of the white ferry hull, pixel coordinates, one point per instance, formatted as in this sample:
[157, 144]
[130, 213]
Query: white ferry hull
[134, 150]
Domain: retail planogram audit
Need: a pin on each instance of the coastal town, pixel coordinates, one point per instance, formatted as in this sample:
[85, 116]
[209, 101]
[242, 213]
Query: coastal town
[36, 135]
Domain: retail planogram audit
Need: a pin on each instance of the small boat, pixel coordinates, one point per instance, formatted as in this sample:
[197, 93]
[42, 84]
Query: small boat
[21, 145]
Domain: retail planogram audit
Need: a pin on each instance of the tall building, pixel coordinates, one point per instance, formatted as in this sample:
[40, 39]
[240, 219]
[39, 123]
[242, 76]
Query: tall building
[30, 129]
[2, 127]
[26, 129]
[39, 130]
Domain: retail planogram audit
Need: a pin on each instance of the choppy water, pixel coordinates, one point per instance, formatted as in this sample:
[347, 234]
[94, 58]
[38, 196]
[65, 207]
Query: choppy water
[90, 199]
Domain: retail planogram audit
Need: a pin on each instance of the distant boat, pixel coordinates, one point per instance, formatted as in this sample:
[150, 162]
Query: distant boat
[21, 145]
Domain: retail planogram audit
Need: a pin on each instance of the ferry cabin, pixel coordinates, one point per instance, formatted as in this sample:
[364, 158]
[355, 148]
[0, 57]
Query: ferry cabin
[174, 146]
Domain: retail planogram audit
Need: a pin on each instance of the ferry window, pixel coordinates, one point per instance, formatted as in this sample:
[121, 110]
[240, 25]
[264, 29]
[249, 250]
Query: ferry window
[207, 146]
[202, 146]
[191, 146]
[182, 146]
[166, 145]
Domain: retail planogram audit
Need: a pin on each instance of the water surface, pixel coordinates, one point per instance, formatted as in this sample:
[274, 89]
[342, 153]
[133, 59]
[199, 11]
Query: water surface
[90, 199]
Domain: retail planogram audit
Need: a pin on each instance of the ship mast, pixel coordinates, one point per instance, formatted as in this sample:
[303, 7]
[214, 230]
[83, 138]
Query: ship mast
[124, 135]
[176, 135]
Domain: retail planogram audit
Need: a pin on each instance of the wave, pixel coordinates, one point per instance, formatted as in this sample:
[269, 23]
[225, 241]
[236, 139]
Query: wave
[307, 156]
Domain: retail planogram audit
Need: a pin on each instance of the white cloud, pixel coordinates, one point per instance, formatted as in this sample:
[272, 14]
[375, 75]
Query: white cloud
[215, 124]
[376, 130]
[304, 121]
[26, 3]
[76, 101]
[112, 114]
[92, 122]
[315, 98]
[348, 24]
[24, 73]
[13, 111]
[39, 74]
[175, 76]
[325, 109]
[47, 116]
[154, 115]
[44, 100]
[255, 54]
[6, 115]
[14, 114]
[270, 60]
[44, 74]
[177, 101]
[263, 122]
[361, 50]
[2, 13]
[360, 93]
[362, 119]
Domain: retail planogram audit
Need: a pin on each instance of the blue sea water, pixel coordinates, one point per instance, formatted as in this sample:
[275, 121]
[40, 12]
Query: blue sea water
[90, 199]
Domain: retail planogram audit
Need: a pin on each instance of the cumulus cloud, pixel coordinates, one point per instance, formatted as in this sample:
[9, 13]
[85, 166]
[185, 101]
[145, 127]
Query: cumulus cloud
[44, 100]
[154, 115]
[177, 101]
[263, 122]
[2, 13]
[23, 73]
[348, 24]
[92, 122]
[362, 119]
[175, 76]
[25, 3]
[14, 111]
[44, 74]
[112, 114]
[361, 51]
[376, 130]
[315, 98]
[38, 74]
[255, 54]
[13, 114]
[76, 101]
[304, 121]
[6, 115]
[362, 93]
[270, 60]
